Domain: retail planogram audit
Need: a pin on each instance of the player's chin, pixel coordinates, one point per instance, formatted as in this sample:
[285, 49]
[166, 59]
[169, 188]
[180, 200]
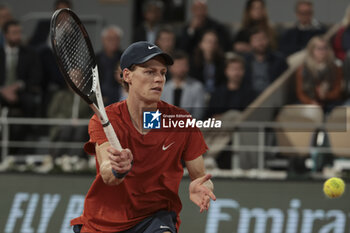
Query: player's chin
[153, 98]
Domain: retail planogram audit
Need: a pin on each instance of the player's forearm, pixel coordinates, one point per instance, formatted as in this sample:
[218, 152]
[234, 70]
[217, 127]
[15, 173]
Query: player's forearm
[196, 168]
[105, 165]
[107, 174]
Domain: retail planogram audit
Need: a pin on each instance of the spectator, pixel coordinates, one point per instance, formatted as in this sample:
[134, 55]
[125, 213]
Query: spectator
[41, 33]
[306, 27]
[255, 15]
[319, 80]
[341, 41]
[182, 90]
[152, 13]
[207, 62]
[226, 104]
[107, 60]
[65, 104]
[20, 82]
[53, 81]
[263, 65]
[166, 39]
[200, 22]
[233, 95]
[20, 73]
[5, 15]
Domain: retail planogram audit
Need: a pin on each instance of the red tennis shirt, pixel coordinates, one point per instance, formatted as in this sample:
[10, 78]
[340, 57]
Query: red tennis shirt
[153, 182]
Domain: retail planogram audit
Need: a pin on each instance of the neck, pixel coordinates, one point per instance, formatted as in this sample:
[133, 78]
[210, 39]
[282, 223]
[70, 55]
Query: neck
[150, 25]
[207, 56]
[12, 46]
[321, 65]
[305, 24]
[260, 57]
[109, 53]
[135, 108]
[232, 85]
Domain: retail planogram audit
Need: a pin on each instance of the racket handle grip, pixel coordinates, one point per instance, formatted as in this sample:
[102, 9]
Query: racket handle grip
[112, 137]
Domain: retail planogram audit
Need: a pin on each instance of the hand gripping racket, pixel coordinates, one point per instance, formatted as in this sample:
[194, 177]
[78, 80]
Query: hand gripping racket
[76, 59]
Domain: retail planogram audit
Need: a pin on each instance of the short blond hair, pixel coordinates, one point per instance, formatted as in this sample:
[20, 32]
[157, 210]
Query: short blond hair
[231, 57]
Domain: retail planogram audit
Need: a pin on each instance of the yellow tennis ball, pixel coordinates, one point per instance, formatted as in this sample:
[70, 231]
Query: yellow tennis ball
[334, 187]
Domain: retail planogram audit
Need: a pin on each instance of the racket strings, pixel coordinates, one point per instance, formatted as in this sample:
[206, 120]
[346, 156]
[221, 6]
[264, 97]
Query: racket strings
[74, 52]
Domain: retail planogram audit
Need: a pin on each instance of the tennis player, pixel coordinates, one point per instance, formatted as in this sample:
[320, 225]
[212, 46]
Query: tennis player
[136, 189]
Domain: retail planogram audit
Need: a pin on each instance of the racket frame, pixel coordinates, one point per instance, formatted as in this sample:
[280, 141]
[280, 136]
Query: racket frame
[98, 109]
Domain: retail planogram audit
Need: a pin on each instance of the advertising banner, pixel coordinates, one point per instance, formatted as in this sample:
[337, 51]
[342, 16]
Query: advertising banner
[46, 204]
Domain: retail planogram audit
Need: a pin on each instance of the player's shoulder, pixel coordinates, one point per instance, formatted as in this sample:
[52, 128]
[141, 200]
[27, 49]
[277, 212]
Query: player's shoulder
[117, 107]
[113, 110]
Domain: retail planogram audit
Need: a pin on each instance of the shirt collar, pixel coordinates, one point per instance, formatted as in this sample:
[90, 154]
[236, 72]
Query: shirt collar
[9, 49]
[314, 25]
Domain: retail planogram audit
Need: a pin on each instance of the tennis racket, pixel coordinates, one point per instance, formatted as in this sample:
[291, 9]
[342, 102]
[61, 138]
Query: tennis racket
[76, 60]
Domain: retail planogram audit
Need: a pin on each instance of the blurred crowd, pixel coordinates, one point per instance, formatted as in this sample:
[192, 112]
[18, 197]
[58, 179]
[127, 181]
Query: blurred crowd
[216, 68]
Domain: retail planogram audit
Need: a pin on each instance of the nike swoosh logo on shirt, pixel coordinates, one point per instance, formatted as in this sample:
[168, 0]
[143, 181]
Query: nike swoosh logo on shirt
[164, 227]
[166, 147]
[151, 47]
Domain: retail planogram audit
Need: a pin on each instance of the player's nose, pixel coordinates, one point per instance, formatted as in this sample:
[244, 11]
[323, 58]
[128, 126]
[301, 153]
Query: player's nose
[159, 77]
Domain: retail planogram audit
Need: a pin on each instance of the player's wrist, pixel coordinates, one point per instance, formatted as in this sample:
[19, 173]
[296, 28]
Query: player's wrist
[122, 175]
[119, 175]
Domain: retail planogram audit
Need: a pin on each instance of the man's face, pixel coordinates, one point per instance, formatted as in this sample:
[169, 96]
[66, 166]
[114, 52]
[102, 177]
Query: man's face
[259, 42]
[111, 41]
[146, 82]
[304, 13]
[179, 68]
[153, 14]
[14, 35]
[5, 15]
[166, 41]
[199, 10]
[234, 72]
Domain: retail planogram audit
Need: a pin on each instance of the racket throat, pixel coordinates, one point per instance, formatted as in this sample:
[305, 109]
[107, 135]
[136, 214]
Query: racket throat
[101, 114]
[95, 81]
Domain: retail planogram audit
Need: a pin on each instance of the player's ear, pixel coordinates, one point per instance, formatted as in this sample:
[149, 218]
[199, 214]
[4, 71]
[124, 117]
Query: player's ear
[127, 75]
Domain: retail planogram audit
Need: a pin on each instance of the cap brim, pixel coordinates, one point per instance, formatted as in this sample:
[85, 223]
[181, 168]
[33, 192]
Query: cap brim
[167, 58]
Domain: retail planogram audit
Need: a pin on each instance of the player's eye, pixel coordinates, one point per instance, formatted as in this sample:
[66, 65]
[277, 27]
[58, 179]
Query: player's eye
[149, 72]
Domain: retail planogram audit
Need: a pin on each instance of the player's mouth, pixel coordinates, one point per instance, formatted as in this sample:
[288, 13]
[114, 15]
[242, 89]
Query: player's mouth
[157, 89]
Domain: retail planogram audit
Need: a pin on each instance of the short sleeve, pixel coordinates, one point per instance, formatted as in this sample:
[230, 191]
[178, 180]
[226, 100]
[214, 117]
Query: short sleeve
[195, 145]
[97, 135]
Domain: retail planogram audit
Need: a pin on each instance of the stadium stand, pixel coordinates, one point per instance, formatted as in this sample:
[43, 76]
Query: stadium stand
[308, 118]
[259, 116]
